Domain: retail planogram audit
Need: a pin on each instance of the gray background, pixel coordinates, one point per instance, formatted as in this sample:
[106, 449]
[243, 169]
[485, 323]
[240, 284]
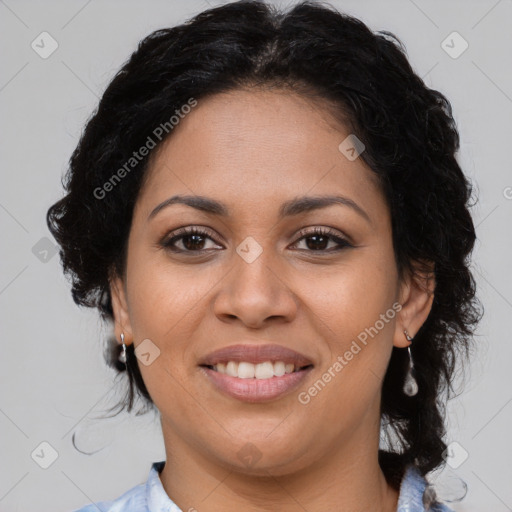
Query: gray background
[54, 380]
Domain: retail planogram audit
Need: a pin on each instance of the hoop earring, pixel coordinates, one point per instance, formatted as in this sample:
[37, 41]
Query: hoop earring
[410, 385]
[122, 355]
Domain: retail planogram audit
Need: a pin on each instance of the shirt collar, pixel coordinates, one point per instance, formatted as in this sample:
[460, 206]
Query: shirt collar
[156, 497]
[412, 491]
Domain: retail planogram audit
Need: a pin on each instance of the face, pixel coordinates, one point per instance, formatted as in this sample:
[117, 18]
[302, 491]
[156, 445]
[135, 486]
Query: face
[268, 279]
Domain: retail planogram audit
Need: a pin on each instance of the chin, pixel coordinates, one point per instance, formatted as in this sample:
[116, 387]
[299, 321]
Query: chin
[262, 455]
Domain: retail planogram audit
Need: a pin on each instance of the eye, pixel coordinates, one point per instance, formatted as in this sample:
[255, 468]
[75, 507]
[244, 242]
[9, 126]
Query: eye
[195, 239]
[192, 239]
[319, 239]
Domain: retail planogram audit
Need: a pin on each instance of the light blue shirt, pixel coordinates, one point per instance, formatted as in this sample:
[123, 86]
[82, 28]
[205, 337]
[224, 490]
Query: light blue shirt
[151, 496]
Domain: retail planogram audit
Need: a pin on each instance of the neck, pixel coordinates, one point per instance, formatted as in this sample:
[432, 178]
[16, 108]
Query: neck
[346, 479]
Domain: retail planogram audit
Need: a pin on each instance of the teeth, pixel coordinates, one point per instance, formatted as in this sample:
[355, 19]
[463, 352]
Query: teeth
[279, 368]
[232, 369]
[264, 370]
[245, 370]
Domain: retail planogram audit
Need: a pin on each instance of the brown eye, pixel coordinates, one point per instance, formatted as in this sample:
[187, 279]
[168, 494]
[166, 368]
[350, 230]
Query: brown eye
[193, 242]
[188, 240]
[318, 240]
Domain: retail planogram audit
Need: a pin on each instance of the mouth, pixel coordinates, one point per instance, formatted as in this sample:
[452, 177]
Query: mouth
[260, 371]
[255, 373]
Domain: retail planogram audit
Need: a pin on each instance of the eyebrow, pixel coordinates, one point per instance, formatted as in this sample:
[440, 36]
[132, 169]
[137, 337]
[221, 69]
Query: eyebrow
[289, 208]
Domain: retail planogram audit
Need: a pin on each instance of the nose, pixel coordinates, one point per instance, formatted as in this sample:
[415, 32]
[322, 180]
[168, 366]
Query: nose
[254, 293]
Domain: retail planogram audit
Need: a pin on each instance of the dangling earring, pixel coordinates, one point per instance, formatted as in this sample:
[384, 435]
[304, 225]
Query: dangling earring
[122, 355]
[410, 384]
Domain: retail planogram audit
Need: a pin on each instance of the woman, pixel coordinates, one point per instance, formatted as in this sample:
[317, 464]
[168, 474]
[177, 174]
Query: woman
[268, 208]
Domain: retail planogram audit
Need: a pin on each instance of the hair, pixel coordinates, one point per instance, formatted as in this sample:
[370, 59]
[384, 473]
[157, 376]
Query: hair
[410, 140]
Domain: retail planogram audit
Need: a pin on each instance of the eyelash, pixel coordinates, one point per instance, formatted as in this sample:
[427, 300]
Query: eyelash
[168, 242]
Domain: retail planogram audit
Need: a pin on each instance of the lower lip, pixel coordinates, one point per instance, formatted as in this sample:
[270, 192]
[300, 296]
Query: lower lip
[256, 390]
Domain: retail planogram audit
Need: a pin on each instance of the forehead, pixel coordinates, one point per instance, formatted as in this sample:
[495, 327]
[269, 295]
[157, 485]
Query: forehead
[254, 147]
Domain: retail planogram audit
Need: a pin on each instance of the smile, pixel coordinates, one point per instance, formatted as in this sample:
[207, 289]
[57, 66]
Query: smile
[253, 383]
[246, 370]
[255, 372]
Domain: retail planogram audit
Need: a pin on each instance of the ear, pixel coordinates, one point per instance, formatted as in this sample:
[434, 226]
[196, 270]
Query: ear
[416, 298]
[120, 309]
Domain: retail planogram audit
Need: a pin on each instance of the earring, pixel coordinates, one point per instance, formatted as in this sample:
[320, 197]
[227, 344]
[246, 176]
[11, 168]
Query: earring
[122, 355]
[410, 385]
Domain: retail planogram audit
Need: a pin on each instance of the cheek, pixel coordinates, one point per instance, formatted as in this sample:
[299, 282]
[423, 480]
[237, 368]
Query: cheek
[162, 305]
[165, 304]
[351, 297]
[164, 295]
[355, 311]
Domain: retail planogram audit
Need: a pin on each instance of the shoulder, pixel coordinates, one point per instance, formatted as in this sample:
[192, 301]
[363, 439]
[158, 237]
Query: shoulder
[134, 499]
[416, 495]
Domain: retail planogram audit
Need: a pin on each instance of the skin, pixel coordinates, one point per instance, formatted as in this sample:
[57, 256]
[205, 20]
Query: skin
[252, 150]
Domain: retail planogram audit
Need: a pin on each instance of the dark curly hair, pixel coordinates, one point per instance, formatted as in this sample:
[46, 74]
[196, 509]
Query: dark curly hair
[367, 82]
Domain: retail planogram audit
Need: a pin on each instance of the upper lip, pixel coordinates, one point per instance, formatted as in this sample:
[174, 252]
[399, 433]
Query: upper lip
[253, 353]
